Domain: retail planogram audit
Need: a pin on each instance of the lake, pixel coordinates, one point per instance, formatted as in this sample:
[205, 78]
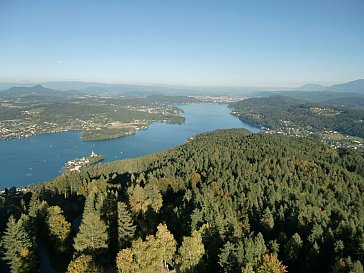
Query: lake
[40, 158]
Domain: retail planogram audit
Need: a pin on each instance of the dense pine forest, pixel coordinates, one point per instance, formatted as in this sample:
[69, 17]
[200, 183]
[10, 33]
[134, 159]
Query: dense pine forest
[226, 201]
[278, 111]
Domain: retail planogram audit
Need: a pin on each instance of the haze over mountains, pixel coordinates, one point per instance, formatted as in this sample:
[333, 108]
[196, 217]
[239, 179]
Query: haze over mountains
[311, 87]
[356, 86]
[90, 88]
[350, 94]
[352, 86]
[36, 91]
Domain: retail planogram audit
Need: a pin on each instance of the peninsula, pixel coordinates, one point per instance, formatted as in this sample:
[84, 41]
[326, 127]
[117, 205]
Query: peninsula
[29, 113]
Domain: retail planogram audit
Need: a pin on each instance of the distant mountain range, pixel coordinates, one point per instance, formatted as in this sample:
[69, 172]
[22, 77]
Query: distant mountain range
[356, 86]
[353, 86]
[311, 87]
[36, 91]
[350, 94]
[74, 88]
[94, 88]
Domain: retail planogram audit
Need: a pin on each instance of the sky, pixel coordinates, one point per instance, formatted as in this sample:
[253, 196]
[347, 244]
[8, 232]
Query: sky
[182, 42]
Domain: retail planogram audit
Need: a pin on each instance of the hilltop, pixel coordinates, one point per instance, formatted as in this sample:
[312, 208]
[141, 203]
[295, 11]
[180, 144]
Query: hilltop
[36, 92]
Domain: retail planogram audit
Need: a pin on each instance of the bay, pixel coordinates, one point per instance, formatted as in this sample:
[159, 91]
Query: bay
[40, 158]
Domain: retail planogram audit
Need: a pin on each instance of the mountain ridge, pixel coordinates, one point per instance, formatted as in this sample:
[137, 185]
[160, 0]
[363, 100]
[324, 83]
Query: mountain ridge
[356, 86]
[36, 91]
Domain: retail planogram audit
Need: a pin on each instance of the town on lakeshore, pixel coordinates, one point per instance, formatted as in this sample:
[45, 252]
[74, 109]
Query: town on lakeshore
[98, 118]
[76, 164]
[107, 117]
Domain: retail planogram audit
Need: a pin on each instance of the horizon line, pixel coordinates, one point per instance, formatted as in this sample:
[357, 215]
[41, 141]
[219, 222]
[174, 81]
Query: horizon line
[326, 84]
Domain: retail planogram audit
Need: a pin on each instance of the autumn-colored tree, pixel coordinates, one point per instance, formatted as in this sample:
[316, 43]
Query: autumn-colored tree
[59, 228]
[191, 251]
[125, 261]
[248, 268]
[271, 264]
[150, 255]
[166, 244]
[83, 264]
[137, 199]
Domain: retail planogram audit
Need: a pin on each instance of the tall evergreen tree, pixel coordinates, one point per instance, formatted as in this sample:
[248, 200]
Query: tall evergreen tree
[92, 236]
[19, 248]
[154, 197]
[37, 211]
[126, 228]
[293, 247]
[267, 219]
[34, 205]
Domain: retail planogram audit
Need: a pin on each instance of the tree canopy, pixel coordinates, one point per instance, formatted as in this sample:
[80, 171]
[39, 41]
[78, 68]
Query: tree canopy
[227, 201]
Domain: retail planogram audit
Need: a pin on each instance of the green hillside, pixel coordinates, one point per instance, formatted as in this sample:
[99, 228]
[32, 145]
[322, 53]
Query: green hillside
[291, 116]
[227, 201]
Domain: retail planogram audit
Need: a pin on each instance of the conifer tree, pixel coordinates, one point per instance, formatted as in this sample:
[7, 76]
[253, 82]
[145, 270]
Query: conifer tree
[34, 205]
[37, 211]
[92, 236]
[154, 197]
[19, 248]
[109, 214]
[125, 226]
[293, 247]
[267, 219]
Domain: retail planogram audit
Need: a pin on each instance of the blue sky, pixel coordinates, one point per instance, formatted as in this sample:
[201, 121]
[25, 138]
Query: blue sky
[178, 42]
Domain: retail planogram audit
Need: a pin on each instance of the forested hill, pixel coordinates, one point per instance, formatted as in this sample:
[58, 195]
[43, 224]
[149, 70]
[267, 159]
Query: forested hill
[296, 117]
[227, 201]
[273, 111]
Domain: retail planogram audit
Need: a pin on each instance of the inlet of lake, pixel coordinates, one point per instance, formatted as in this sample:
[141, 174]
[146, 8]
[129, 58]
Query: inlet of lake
[40, 158]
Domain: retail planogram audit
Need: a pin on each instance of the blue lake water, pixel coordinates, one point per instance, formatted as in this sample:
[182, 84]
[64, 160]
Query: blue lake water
[40, 158]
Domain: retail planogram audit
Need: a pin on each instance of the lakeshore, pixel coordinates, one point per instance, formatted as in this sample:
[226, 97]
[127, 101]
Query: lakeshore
[41, 158]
